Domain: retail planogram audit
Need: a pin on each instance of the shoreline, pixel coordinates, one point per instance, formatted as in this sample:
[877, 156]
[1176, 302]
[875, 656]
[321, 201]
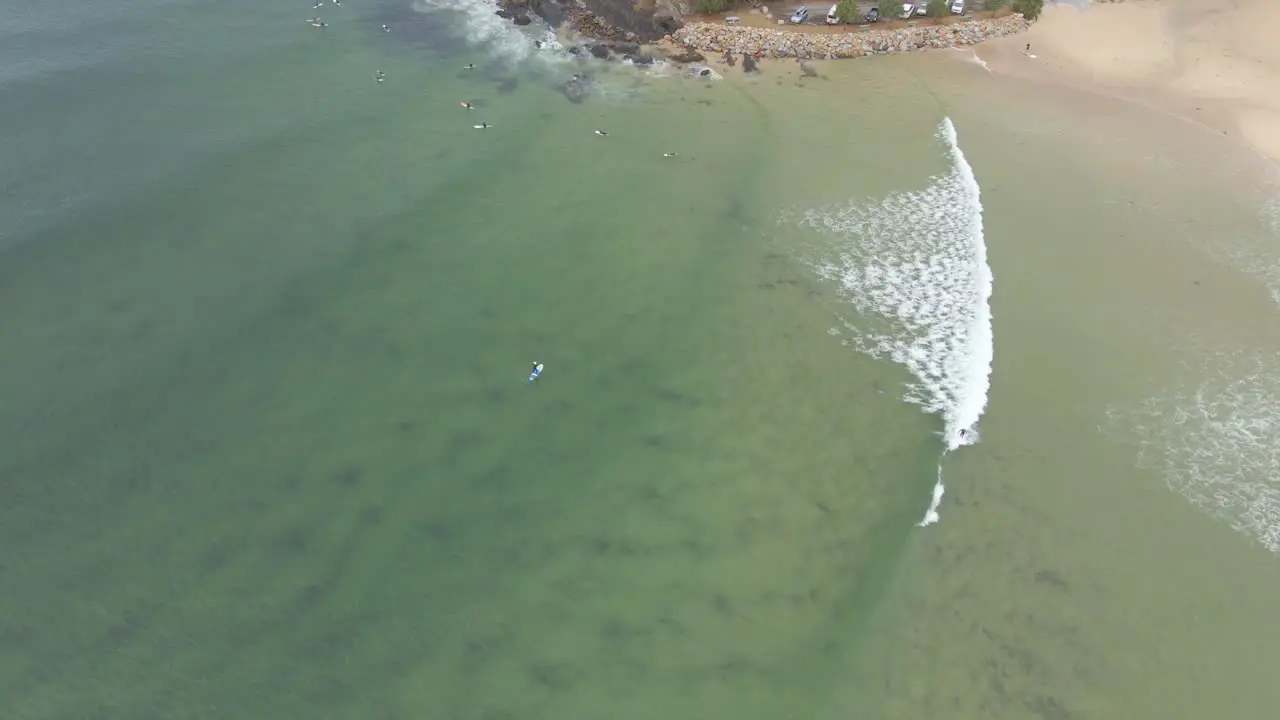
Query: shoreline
[1214, 68]
[657, 25]
[774, 43]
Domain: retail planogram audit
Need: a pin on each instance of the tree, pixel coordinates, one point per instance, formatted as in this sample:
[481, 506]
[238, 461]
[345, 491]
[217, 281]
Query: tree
[937, 8]
[847, 11]
[710, 6]
[1030, 9]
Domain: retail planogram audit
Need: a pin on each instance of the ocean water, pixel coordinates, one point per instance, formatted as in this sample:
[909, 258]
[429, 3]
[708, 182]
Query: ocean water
[269, 451]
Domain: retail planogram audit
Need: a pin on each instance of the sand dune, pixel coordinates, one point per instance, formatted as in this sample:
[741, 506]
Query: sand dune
[1214, 62]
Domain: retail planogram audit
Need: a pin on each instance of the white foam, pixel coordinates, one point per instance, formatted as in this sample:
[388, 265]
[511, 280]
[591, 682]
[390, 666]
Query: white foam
[931, 515]
[973, 56]
[1256, 254]
[914, 265]
[1217, 442]
[507, 41]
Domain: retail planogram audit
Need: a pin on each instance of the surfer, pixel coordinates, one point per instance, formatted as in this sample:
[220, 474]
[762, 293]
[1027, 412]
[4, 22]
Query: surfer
[379, 76]
[469, 66]
[535, 372]
[315, 22]
[386, 29]
[669, 155]
[482, 126]
[467, 105]
[601, 133]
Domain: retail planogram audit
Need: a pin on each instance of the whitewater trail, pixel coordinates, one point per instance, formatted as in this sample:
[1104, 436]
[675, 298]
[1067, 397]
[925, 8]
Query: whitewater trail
[914, 267]
[1216, 441]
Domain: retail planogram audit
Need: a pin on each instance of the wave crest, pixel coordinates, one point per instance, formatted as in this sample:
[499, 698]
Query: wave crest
[914, 266]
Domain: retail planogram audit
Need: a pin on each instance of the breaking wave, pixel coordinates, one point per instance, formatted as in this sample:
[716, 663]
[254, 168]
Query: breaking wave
[508, 42]
[914, 266]
[1217, 443]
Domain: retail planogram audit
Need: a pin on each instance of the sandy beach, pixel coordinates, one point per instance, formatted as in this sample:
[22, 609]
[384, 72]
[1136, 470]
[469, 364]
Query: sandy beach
[1214, 63]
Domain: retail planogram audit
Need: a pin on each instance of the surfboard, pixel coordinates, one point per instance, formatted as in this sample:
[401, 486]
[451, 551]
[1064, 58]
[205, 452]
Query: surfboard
[536, 372]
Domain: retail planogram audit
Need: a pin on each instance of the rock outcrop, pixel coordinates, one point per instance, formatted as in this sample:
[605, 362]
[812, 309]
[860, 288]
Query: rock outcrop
[768, 42]
[613, 20]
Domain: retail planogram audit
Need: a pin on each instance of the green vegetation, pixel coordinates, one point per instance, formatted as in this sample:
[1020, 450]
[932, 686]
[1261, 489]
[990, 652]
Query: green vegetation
[710, 6]
[1030, 9]
[937, 8]
[994, 4]
[847, 11]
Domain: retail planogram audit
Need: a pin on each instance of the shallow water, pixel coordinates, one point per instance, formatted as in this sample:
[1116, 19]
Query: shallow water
[269, 451]
[269, 447]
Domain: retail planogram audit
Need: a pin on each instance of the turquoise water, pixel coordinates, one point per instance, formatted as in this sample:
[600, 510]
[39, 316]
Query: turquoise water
[268, 447]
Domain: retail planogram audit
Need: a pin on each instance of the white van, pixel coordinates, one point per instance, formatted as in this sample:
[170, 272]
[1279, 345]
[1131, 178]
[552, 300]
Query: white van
[832, 18]
[957, 7]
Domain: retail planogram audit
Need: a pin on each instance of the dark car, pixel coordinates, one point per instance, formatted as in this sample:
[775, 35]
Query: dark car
[874, 15]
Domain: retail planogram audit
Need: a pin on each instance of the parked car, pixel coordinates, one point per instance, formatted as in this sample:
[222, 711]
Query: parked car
[832, 17]
[922, 9]
[874, 15]
[800, 15]
[907, 9]
[957, 7]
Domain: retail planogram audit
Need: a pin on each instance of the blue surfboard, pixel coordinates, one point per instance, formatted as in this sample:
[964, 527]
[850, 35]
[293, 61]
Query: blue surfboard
[537, 370]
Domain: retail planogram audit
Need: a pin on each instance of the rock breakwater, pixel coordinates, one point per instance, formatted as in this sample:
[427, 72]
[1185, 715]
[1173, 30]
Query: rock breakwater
[768, 42]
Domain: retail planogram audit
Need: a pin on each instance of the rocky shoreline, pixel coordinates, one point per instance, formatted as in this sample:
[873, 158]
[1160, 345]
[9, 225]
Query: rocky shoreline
[761, 42]
[767, 42]
[579, 17]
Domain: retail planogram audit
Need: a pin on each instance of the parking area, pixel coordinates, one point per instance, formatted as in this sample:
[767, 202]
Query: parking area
[817, 15]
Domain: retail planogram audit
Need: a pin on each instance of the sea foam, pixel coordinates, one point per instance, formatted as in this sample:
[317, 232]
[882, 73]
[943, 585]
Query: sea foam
[914, 266]
[1217, 441]
[476, 21]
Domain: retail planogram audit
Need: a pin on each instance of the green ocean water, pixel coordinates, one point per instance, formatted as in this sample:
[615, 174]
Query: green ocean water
[267, 449]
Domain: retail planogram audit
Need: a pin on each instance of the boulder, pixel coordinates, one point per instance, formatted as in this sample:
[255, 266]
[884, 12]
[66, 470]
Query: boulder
[600, 51]
[521, 19]
[689, 56]
[577, 88]
[666, 24]
[624, 48]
